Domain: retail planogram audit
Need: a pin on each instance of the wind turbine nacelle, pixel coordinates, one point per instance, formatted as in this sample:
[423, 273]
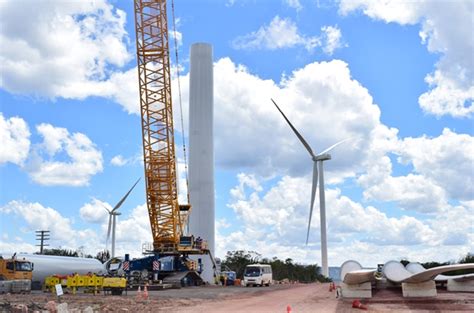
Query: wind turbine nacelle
[323, 157]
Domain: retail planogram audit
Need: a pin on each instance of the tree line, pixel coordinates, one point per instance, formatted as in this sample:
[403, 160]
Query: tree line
[101, 255]
[282, 269]
[469, 258]
[238, 260]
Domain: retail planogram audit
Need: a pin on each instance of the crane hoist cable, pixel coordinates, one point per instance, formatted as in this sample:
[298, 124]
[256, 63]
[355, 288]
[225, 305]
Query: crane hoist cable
[180, 102]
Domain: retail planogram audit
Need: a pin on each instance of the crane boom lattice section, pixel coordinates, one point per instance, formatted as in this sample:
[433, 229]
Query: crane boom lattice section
[157, 123]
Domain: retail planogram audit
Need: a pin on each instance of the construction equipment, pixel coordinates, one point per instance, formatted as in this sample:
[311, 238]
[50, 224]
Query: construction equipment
[47, 265]
[14, 268]
[15, 275]
[168, 219]
[87, 283]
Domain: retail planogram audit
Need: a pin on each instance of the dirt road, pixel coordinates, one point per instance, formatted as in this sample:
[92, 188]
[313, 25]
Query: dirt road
[300, 298]
[317, 298]
[213, 299]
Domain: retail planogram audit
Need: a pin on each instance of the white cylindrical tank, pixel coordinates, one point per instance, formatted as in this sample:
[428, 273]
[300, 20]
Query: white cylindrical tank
[201, 150]
[47, 265]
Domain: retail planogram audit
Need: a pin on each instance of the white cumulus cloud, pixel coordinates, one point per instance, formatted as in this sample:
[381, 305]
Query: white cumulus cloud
[448, 160]
[280, 33]
[446, 28]
[118, 160]
[83, 159]
[332, 39]
[15, 139]
[295, 4]
[274, 224]
[321, 99]
[438, 171]
[66, 234]
[68, 49]
[94, 211]
[38, 217]
[411, 192]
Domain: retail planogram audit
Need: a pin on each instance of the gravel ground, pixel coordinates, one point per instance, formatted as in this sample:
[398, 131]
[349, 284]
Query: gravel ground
[300, 297]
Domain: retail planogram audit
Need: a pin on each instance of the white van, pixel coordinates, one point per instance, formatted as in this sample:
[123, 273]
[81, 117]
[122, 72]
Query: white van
[258, 275]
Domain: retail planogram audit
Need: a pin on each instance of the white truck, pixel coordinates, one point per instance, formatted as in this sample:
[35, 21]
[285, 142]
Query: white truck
[258, 275]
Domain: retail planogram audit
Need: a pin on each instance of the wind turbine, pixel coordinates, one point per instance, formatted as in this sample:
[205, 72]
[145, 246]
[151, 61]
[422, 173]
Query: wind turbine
[113, 219]
[318, 160]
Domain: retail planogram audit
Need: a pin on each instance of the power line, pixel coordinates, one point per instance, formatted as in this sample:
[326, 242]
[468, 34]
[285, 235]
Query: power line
[42, 236]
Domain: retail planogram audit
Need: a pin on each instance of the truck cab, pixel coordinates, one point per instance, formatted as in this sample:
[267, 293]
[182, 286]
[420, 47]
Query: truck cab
[13, 269]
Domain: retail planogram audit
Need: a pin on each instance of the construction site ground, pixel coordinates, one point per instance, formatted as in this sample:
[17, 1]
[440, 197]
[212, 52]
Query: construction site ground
[209, 299]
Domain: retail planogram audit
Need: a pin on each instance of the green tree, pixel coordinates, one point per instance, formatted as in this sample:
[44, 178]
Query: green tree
[469, 258]
[238, 260]
[103, 256]
[60, 252]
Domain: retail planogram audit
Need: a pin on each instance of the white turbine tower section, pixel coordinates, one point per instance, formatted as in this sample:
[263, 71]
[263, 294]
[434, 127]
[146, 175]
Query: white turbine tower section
[113, 220]
[319, 158]
[201, 151]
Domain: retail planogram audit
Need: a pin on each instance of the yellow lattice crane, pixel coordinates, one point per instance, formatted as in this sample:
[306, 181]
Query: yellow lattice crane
[167, 217]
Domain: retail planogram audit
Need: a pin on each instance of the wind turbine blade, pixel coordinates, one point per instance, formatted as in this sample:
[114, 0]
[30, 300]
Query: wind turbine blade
[108, 231]
[106, 208]
[313, 195]
[305, 144]
[124, 197]
[334, 146]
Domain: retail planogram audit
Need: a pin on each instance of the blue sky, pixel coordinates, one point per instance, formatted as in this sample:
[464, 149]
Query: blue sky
[396, 77]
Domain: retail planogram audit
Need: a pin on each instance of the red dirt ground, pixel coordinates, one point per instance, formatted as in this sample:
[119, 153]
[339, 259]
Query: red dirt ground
[300, 297]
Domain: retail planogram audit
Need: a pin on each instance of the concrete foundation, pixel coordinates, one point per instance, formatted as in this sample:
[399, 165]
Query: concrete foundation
[465, 286]
[425, 289]
[363, 290]
[384, 283]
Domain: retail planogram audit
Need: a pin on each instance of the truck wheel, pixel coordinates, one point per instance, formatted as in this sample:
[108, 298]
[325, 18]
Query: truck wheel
[117, 292]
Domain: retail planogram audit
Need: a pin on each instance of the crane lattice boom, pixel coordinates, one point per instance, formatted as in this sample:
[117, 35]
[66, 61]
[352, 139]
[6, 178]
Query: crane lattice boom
[166, 219]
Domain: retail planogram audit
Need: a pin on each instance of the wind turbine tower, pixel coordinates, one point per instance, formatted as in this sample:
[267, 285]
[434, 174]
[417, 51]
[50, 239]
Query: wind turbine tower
[201, 151]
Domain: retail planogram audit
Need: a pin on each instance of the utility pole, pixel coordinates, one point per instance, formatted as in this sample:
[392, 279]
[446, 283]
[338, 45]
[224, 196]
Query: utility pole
[42, 236]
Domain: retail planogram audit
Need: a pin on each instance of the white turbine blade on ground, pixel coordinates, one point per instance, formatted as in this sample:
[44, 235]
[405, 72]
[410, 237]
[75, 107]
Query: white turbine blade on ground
[313, 195]
[296, 132]
[124, 197]
[334, 146]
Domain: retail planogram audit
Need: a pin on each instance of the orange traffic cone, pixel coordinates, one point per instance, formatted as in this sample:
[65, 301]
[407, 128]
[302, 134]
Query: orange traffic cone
[288, 309]
[357, 305]
[145, 292]
[330, 287]
[139, 293]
